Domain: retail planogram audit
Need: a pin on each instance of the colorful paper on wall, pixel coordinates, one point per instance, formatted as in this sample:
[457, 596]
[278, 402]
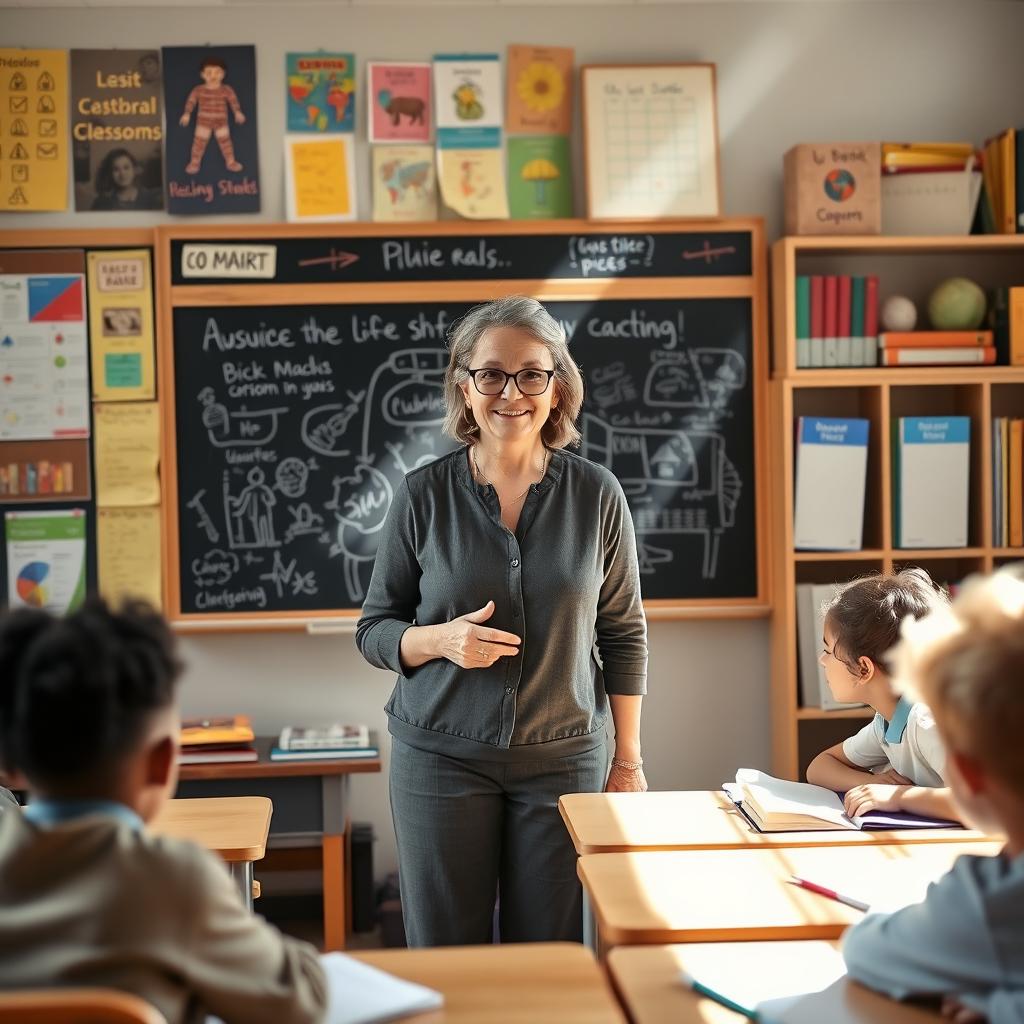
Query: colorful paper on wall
[321, 92]
[404, 183]
[33, 130]
[117, 129]
[539, 90]
[467, 98]
[212, 152]
[46, 559]
[127, 453]
[47, 470]
[128, 554]
[121, 325]
[319, 178]
[399, 102]
[539, 176]
[472, 182]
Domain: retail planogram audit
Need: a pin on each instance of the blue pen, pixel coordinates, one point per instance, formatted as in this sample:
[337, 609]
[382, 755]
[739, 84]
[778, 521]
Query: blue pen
[717, 997]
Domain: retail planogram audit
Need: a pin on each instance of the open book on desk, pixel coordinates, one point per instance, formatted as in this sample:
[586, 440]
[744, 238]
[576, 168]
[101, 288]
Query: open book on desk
[776, 805]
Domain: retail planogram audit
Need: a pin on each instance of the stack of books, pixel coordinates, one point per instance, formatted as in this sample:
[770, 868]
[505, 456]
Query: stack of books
[836, 320]
[323, 743]
[219, 740]
[1007, 486]
[936, 348]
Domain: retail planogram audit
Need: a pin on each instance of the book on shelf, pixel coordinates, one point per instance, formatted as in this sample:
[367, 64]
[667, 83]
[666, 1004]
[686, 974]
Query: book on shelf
[341, 754]
[217, 731]
[931, 478]
[997, 481]
[811, 601]
[858, 355]
[817, 317]
[1015, 324]
[803, 320]
[984, 355]
[1000, 173]
[777, 805]
[337, 736]
[935, 339]
[217, 754]
[831, 476]
[831, 355]
[1008, 482]
[1016, 526]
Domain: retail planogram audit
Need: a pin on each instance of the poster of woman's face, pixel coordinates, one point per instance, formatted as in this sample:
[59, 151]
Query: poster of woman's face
[116, 129]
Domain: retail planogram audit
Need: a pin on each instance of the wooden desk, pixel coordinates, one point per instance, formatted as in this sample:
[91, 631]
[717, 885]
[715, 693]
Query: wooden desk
[623, 822]
[235, 828]
[528, 983]
[731, 895]
[310, 809]
[646, 979]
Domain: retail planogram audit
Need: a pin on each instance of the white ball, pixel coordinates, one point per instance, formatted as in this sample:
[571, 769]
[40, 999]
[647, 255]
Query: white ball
[898, 313]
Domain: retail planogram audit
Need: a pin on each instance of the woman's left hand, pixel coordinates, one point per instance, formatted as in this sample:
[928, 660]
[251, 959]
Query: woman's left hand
[625, 780]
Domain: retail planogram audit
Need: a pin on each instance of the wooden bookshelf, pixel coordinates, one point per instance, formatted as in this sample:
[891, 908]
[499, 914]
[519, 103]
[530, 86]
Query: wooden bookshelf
[880, 395]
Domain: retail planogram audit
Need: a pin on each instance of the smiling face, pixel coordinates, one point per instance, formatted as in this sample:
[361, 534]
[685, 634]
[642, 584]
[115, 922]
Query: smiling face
[510, 417]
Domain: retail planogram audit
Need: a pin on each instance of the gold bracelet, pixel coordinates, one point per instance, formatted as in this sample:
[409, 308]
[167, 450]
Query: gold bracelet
[633, 766]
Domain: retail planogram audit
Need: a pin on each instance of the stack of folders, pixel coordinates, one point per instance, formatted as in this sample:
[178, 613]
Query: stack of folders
[831, 475]
[931, 481]
[811, 601]
[1007, 474]
[836, 320]
[336, 742]
[936, 348]
[220, 740]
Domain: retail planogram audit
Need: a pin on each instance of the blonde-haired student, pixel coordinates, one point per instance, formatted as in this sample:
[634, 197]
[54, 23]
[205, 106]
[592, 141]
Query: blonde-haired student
[965, 941]
[89, 718]
[896, 761]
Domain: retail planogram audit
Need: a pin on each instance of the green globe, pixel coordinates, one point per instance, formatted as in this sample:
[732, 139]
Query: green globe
[958, 304]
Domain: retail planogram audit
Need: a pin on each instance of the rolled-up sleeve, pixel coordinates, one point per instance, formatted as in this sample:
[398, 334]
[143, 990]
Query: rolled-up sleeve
[391, 599]
[621, 626]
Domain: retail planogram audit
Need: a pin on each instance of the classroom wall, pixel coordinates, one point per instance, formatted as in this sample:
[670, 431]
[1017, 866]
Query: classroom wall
[787, 72]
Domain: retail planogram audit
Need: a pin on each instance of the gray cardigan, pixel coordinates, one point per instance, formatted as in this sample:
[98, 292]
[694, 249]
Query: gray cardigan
[566, 582]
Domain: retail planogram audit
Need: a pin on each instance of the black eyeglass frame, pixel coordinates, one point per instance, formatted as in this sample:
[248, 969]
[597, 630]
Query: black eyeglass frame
[511, 376]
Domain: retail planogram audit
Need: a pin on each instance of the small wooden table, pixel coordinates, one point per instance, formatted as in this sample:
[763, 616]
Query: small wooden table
[310, 809]
[235, 828]
[733, 895]
[528, 983]
[647, 981]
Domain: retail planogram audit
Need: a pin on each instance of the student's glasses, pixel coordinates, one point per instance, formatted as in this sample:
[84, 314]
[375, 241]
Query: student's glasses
[491, 381]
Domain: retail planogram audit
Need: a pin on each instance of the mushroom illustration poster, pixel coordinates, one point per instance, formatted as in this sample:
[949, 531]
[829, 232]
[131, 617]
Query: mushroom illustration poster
[212, 155]
[539, 90]
[116, 130]
[33, 130]
[321, 92]
[46, 559]
[467, 99]
[404, 183]
[539, 177]
[399, 102]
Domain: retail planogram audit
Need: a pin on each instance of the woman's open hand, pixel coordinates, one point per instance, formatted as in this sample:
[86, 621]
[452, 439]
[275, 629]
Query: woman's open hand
[468, 644]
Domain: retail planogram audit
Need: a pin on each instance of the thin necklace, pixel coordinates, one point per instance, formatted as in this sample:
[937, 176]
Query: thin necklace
[512, 501]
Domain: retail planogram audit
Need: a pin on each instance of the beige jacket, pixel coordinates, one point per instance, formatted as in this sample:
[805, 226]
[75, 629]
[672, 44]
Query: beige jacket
[93, 902]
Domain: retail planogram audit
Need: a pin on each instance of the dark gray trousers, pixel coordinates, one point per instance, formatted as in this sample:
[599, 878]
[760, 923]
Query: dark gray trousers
[468, 831]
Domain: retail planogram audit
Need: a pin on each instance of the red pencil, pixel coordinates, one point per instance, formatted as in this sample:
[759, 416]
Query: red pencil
[830, 893]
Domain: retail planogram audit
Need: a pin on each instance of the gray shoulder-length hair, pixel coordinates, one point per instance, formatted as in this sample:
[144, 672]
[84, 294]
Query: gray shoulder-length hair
[524, 314]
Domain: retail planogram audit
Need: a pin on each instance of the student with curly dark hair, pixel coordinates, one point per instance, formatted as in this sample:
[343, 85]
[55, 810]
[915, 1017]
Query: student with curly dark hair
[118, 186]
[88, 717]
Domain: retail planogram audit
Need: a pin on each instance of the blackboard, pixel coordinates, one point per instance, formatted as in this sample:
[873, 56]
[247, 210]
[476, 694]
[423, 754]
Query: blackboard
[293, 422]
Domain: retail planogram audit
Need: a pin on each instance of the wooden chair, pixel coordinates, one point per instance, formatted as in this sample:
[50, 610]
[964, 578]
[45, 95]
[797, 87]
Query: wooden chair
[76, 1006]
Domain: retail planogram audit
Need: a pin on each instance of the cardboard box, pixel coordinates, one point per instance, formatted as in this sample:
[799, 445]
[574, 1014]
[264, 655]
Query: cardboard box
[833, 188]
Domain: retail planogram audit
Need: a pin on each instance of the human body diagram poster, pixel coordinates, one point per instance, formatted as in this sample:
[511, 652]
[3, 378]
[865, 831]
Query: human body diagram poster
[299, 423]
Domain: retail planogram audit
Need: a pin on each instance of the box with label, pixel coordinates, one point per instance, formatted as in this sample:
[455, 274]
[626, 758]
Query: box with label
[833, 188]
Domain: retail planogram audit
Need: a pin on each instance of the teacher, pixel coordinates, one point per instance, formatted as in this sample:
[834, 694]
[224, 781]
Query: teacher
[506, 595]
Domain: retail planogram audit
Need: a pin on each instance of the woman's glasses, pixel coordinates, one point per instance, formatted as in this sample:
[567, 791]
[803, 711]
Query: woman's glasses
[492, 381]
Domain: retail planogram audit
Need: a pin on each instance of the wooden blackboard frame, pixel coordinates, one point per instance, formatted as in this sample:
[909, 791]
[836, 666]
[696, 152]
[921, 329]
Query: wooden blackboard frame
[174, 296]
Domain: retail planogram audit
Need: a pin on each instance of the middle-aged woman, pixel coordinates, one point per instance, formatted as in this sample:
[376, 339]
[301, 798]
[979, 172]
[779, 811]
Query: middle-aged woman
[501, 567]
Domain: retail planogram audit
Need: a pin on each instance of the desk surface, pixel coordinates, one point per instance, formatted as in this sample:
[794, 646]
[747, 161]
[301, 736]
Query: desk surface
[647, 981]
[264, 768]
[234, 827]
[731, 895]
[624, 822]
[531, 983]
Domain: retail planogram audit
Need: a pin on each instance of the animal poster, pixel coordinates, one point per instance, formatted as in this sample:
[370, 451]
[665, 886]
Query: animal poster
[472, 182]
[539, 90]
[117, 130]
[467, 101]
[321, 92]
[33, 130]
[539, 177]
[399, 102]
[404, 183]
[212, 152]
[320, 178]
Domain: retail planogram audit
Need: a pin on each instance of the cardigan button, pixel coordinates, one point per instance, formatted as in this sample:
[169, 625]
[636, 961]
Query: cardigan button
[514, 563]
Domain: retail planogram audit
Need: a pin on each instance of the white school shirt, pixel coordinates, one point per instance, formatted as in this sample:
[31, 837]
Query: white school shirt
[910, 743]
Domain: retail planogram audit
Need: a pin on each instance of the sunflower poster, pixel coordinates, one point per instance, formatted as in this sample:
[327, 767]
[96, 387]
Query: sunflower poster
[321, 92]
[539, 177]
[539, 90]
